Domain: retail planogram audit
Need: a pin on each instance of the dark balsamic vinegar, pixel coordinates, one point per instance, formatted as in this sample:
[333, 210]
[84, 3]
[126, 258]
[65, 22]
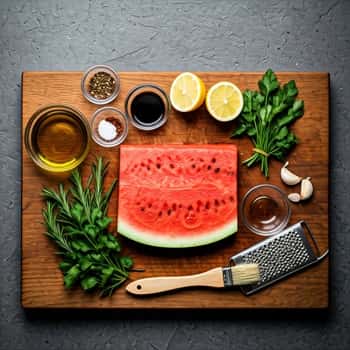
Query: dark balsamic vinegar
[147, 108]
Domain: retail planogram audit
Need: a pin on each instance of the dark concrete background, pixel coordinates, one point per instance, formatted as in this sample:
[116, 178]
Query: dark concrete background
[297, 35]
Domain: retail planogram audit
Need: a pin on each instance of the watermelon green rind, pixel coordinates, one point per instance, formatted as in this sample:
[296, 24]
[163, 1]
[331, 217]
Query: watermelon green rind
[176, 242]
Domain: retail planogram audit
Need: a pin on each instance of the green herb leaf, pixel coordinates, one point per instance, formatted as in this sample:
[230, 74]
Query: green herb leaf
[85, 263]
[106, 273]
[126, 262]
[268, 83]
[64, 266]
[104, 222]
[71, 276]
[88, 283]
[81, 245]
[91, 230]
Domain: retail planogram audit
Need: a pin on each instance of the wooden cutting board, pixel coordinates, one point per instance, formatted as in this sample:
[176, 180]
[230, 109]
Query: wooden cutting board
[42, 285]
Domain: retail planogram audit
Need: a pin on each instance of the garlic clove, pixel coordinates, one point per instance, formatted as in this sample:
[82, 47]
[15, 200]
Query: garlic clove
[294, 197]
[307, 189]
[288, 177]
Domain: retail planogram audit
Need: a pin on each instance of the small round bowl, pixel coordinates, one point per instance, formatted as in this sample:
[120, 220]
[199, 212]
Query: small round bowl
[144, 89]
[68, 119]
[113, 120]
[265, 210]
[88, 75]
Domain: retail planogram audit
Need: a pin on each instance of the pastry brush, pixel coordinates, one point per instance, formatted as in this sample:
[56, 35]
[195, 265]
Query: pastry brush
[218, 277]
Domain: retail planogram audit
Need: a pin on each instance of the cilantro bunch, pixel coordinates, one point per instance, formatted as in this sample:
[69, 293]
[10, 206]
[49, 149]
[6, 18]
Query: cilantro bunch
[265, 118]
[76, 220]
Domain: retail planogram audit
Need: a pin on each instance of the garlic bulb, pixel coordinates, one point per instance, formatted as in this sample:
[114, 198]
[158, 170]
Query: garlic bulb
[288, 177]
[294, 197]
[306, 189]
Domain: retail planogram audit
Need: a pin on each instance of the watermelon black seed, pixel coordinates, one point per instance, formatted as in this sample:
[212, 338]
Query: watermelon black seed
[169, 212]
[174, 206]
[193, 166]
[216, 202]
[172, 166]
[207, 205]
[217, 170]
[190, 207]
[148, 168]
[158, 165]
[209, 167]
[142, 209]
[213, 160]
[160, 214]
[231, 198]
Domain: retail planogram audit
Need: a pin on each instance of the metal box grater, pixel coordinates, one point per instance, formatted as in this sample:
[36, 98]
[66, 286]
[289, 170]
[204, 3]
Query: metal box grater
[280, 255]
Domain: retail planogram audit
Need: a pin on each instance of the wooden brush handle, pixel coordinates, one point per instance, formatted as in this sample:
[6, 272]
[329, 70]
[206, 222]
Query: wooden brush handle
[152, 285]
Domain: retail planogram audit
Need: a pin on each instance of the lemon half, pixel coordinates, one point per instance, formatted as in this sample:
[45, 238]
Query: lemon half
[224, 101]
[187, 92]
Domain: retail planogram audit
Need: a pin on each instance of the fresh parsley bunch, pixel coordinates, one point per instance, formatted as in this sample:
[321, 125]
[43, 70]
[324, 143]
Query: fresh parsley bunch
[76, 220]
[265, 118]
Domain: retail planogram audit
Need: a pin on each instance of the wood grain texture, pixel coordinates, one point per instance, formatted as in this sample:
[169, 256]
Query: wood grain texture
[42, 285]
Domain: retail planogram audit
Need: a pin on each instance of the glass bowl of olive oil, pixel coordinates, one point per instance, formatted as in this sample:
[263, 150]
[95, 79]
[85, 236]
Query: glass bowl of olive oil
[57, 138]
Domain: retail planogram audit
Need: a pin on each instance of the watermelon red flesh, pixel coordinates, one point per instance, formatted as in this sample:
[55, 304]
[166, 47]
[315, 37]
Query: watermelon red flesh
[177, 196]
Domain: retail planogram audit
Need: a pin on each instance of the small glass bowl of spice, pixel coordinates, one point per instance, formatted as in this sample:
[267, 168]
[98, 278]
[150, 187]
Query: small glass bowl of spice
[109, 127]
[100, 84]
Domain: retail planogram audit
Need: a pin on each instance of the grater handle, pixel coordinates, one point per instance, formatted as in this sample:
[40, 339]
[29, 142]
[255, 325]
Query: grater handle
[319, 256]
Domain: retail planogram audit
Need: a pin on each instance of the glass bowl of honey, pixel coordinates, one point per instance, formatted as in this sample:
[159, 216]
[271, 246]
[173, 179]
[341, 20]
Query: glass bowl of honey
[57, 138]
[265, 210]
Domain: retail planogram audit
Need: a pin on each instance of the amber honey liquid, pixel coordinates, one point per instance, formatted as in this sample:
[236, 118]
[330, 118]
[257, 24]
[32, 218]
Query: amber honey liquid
[60, 140]
[264, 212]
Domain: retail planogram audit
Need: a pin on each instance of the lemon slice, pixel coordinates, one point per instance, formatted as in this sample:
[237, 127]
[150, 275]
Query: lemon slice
[224, 101]
[187, 92]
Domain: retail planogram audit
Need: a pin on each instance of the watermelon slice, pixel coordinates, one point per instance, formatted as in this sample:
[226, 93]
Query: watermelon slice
[177, 196]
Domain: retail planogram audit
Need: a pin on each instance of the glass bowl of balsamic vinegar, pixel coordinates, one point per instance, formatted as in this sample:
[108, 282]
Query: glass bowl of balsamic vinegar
[265, 210]
[147, 106]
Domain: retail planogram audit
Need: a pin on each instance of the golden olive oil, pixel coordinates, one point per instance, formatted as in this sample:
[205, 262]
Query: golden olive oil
[60, 140]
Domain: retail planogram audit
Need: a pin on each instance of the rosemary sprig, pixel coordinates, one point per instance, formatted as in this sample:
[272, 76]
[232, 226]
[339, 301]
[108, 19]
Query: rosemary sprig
[76, 220]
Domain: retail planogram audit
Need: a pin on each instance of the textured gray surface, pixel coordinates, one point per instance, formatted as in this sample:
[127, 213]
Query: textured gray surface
[296, 35]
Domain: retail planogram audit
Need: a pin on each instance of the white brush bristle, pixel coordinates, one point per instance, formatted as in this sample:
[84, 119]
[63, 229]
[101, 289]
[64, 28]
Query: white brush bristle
[245, 274]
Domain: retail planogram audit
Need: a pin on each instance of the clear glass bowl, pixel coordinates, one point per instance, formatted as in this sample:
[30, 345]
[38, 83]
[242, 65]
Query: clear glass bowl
[57, 138]
[147, 89]
[89, 74]
[265, 210]
[114, 129]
